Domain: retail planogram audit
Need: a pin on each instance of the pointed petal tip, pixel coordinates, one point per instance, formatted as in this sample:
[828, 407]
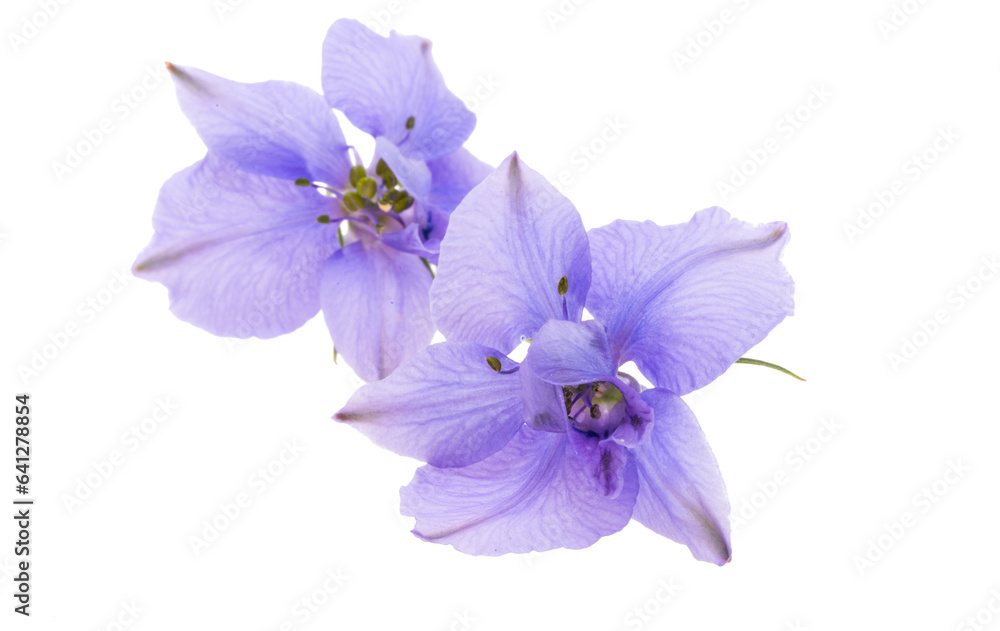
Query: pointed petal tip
[779, 231]
[141, 265]
[514, 168]
[346, 416]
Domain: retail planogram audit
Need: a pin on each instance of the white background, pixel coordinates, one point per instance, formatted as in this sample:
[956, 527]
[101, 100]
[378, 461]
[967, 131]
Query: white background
[545, 88]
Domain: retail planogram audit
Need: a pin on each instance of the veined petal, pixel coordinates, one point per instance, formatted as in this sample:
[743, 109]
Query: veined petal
[604, 461]
[423, 236]
[534, 494]
[274, 128]
[412, 173]
[433, 226]
[445, 406]
[571, 353]
[637, 417]
[453, 176]
[682, 495]
[375, 304]
[686, 301]
[382, 83]
[408, 240]
[543, 404]
[241, 254]
[508, 245]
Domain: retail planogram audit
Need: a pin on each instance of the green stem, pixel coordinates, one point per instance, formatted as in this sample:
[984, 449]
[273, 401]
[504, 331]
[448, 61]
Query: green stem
[757, 362]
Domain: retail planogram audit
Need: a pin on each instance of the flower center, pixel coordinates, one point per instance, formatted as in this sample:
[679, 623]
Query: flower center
[597, 408]
[375, 202]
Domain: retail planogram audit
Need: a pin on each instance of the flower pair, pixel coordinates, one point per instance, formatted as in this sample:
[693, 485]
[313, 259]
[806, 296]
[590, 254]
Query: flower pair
[281, 219]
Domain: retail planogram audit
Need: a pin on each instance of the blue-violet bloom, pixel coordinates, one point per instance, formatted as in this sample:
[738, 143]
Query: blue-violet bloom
[563, 449]
[280, 219]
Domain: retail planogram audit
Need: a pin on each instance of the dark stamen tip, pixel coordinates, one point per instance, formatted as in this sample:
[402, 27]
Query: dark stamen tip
[494, 363]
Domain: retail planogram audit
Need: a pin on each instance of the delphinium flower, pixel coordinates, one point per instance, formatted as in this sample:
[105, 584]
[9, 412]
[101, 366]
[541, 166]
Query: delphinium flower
[563, 448]
[281, 218]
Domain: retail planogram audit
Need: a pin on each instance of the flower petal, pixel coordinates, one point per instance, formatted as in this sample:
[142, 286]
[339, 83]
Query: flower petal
[543, 404]
[508, 244]
[571, 353]
[453, 176]
[375, 305]
[637, 417]
[445, 406]
[604, 461]
[533, 494]
[274, 128]
[686, 301]
[380, 83]
[241, 254]
[682, 495]
[412, 173]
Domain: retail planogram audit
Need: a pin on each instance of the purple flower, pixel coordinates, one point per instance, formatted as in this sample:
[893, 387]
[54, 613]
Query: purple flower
[562, 449]
[278, 221]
